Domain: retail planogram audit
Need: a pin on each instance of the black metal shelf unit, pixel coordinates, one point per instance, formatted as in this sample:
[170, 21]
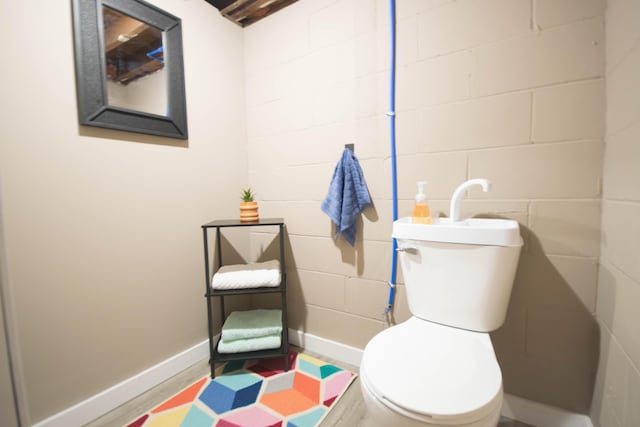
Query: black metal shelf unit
[215, 356]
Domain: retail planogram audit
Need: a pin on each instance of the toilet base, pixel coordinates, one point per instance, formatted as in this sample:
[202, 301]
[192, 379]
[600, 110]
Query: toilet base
[380, 415]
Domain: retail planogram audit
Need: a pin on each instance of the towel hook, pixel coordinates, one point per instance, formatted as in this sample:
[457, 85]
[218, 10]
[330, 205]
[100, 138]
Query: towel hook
[349, 146]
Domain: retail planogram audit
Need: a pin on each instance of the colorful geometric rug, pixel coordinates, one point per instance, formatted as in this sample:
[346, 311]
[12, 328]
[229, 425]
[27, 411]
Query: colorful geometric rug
[255, 393]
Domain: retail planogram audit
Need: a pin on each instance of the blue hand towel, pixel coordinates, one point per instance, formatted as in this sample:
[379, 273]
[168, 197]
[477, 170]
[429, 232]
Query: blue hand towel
[348, 196]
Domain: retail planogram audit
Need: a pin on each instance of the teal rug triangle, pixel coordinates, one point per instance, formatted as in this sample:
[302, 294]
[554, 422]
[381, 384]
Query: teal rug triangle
[319, 370]
[328, 370]
[309, 419]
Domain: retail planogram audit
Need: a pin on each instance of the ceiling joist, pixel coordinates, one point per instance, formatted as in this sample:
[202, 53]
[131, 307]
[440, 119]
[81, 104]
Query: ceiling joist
[246, 12]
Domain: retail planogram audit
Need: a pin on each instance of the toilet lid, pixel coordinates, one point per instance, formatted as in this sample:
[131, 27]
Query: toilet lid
[437, 371]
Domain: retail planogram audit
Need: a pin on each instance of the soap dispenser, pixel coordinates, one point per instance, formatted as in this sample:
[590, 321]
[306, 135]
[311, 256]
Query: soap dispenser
[421, 211]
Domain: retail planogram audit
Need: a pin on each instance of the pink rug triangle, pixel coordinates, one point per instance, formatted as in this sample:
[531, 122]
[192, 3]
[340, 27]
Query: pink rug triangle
[139, 422]
[185, 396]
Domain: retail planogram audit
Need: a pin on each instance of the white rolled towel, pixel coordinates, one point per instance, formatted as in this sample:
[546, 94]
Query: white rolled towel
[252, 275]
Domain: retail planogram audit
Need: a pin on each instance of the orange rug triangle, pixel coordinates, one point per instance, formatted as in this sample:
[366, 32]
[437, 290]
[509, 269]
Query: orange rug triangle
[185, 396]
[287, 402]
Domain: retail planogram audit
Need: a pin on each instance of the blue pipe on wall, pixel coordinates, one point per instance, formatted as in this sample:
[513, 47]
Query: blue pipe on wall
[394, 178]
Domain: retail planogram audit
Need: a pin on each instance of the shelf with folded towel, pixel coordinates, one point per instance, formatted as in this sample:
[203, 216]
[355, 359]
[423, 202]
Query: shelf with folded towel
[250, 332]
[248, 355]
[217, 293]
[242, 279]
[257, 277]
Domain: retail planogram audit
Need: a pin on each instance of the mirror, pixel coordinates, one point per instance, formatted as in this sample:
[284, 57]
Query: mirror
[134, 57]
[129, 69]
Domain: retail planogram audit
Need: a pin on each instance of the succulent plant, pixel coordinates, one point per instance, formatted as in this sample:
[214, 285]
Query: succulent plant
[247, 195]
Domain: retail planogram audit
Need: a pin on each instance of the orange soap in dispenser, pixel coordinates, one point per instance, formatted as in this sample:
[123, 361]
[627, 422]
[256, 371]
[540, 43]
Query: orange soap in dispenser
[421, 211]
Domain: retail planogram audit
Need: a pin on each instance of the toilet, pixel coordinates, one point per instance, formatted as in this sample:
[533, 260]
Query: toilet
[439, 368]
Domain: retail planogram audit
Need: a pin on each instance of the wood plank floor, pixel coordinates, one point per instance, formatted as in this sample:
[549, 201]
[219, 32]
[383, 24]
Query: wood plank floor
[350, 411]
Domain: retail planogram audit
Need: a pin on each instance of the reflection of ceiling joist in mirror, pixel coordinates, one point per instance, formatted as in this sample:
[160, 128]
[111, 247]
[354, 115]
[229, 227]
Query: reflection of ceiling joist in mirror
[132, 48]
[134, 62]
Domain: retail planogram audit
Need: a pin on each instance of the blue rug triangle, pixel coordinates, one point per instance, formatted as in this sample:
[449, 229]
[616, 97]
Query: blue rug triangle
[197, 418]
[308, 420]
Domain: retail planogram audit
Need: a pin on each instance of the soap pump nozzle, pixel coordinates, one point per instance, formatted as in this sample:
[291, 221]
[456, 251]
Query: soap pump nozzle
[420, 196]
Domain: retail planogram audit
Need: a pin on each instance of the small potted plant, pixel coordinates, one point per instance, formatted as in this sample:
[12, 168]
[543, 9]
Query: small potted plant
[248, 206]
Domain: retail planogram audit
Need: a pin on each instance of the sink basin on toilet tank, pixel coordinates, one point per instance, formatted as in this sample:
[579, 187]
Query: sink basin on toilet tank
[471, 231]
[459, 273]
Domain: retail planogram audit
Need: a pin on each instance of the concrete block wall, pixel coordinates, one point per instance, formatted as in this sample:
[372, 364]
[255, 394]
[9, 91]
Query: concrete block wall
[509, 90]
[617, 393]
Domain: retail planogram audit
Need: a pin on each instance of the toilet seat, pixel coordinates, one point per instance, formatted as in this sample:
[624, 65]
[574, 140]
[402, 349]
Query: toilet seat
[433, 373]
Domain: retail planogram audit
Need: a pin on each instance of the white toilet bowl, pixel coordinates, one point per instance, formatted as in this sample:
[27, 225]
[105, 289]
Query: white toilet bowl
[420, 373]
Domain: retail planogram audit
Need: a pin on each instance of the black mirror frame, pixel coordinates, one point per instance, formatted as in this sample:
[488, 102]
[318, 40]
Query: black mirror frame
[93, 106]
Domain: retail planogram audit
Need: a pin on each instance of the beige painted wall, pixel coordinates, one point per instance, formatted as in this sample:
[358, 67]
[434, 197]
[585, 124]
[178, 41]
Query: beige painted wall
[102, 228]
[509, 90]
[618, 386]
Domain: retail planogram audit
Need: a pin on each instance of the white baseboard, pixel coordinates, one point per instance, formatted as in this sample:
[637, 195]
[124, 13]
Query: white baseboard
[539, 414]
[514, 407]
[335, 350]
[111, 398]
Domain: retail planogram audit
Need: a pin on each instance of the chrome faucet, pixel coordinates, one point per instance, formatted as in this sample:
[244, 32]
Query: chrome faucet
[454, 208]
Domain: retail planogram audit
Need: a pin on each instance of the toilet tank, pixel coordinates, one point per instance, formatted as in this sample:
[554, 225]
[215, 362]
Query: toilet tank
[459, 274]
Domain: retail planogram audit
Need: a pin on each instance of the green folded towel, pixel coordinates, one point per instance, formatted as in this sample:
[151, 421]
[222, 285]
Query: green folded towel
[250, 344]
[242, 325]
